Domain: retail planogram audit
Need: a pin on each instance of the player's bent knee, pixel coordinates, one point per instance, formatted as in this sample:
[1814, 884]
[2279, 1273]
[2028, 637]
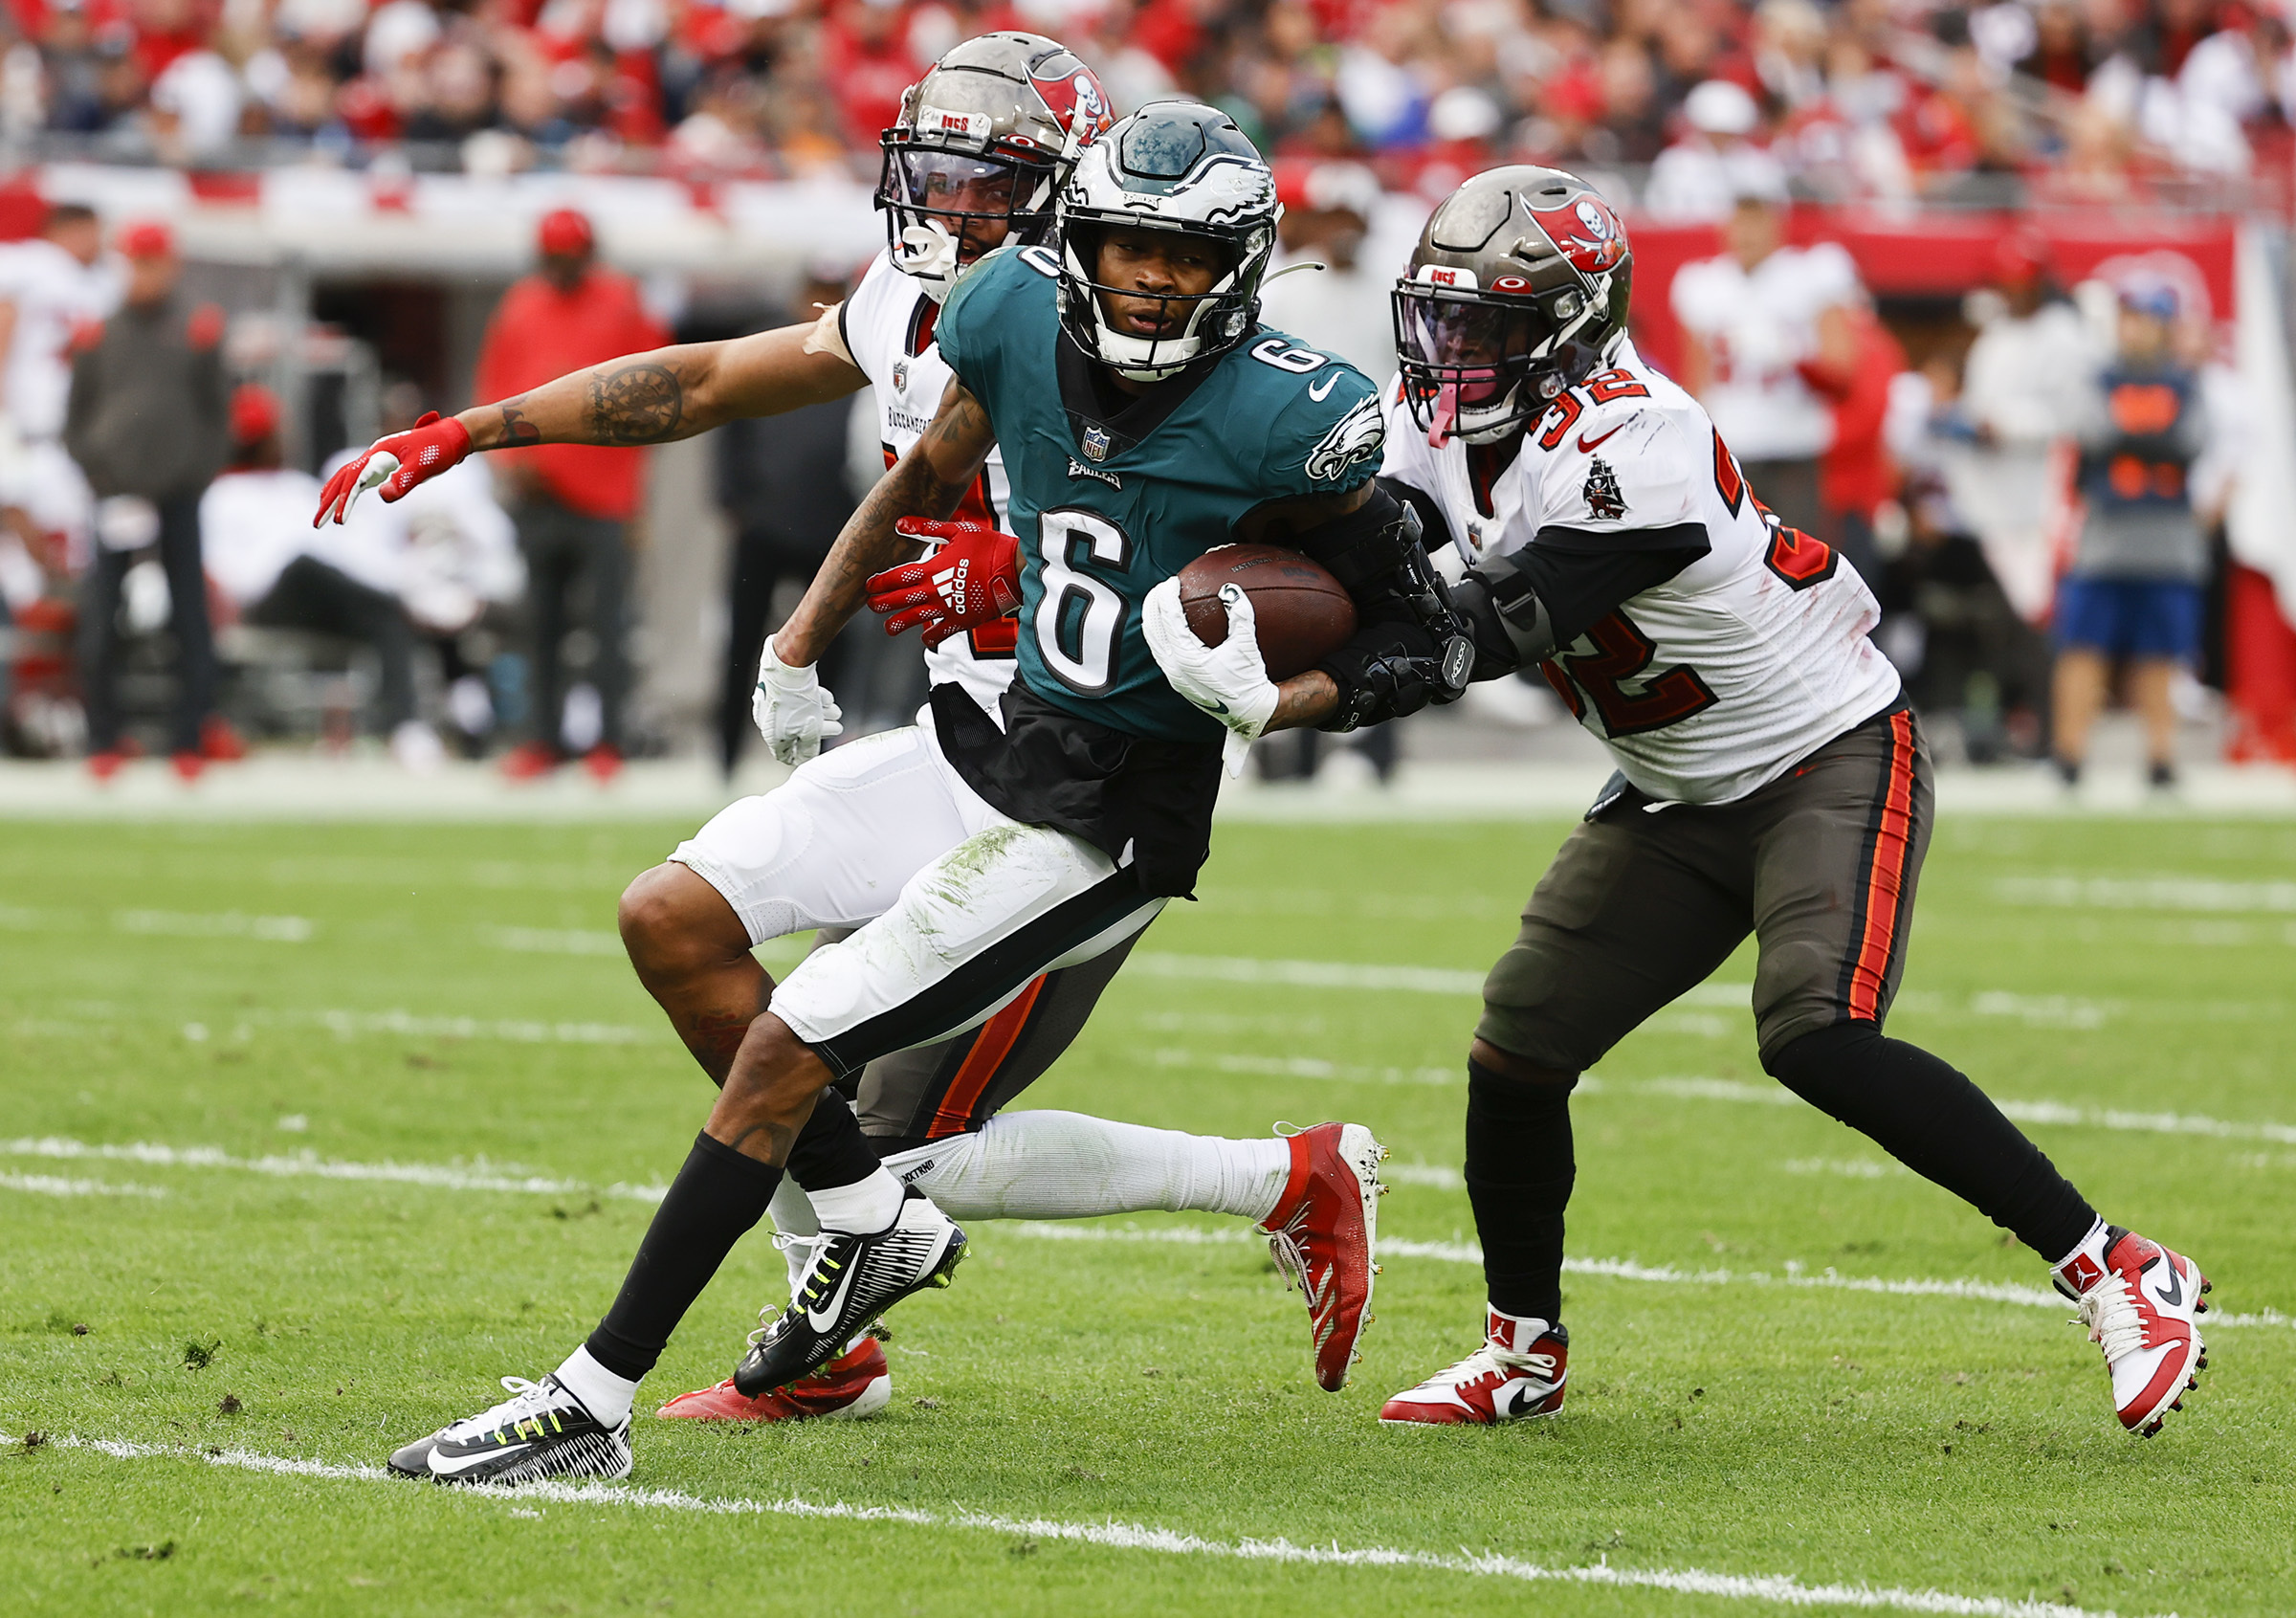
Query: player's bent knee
[672, 920]
[1809, 1060]
[1482, 1057]
[774, 1074]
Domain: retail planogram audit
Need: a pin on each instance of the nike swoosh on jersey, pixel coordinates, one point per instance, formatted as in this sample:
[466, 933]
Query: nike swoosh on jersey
[1589, 448]
[1320, 394]
[448, 1466]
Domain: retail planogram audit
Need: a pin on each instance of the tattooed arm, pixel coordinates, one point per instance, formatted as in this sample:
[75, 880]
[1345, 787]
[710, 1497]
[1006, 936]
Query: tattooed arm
[928, 481]
[668, 393]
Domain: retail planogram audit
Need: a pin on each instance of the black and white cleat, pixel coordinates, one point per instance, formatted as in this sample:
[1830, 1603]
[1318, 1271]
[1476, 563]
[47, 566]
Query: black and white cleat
[853, 1279]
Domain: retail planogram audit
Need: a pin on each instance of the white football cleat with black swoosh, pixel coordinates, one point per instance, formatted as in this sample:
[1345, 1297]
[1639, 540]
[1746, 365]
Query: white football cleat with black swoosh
[541, 1431]
[854, 1279]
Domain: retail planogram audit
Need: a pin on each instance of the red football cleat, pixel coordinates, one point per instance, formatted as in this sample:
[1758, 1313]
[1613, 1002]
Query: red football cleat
[1519, 1373]
[1322, 1232]
[528, 761]
[2141, 1304]
[858, 1383]
[604, 762]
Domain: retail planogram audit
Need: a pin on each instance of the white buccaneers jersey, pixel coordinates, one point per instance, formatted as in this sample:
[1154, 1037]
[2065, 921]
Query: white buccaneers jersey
[887, 324]
[1713, 683]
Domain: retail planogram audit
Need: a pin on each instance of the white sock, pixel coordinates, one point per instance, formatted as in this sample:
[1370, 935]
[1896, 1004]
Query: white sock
[865, 1206]
[793, 1217]
[604, 1394]
[2092, 1244]
[1066, 1166]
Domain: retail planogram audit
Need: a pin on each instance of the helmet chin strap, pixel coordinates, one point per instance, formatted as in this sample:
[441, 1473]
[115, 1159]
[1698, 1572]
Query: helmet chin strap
[929, 253]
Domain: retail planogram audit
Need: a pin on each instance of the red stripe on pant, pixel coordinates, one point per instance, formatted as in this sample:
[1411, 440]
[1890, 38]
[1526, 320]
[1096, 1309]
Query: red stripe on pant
[1886, 881]
[990, 1047]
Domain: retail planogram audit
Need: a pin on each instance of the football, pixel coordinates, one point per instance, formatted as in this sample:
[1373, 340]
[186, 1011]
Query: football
[1301, 612]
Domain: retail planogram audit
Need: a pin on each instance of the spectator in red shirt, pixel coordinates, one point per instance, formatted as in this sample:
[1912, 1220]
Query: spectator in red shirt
[1856, 474]
[573, 502]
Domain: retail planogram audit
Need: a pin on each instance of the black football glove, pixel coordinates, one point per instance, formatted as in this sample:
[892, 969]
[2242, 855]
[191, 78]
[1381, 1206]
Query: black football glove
[1383, 673]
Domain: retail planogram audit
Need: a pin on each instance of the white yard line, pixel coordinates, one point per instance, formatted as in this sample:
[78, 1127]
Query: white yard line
[1434, 1175]
[1305, 974]
[555, 940]
[1781, 1590]
[2148, 892]
[508, 1178]
[1623, 1269]
[478, 1177]
[48, 1185]
[520, 1030]
[1301, 1066]
[217, 924]
[2022, 1112]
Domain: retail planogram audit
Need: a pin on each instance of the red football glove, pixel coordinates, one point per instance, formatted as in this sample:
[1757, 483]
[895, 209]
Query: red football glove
[972, 580]
[398, 463]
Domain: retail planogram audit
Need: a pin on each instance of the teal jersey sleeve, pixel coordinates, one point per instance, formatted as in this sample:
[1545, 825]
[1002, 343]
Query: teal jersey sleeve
[1313, 421]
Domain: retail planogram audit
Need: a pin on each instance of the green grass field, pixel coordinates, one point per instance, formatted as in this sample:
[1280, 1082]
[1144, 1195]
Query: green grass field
[221, 1337]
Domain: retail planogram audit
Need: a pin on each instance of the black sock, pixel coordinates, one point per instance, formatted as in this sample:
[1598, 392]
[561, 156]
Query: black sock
[1926, 1113]
[1519, 1173]
[716, 1198]
[830, 1150]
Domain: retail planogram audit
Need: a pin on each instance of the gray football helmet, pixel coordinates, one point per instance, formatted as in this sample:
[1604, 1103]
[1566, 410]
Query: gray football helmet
[987, 135]
[1518, 288]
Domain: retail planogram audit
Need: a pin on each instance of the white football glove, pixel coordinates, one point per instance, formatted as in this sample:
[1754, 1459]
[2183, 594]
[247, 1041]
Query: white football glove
[1227, 681]
[792, 709]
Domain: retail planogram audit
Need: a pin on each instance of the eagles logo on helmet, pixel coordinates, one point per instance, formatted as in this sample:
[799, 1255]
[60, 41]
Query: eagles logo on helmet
[1173, 166]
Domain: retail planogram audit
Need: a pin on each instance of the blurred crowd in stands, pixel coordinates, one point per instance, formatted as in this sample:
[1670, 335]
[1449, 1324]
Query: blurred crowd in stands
[2073, 101]
[2037, 503]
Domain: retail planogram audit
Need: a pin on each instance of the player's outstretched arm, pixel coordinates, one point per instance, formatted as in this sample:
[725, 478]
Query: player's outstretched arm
[650, 398]
[668, 393]
[928, 481]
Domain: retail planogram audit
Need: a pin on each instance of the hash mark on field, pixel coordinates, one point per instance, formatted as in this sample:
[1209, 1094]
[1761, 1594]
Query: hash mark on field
[48, 1185]
[1782, 1590]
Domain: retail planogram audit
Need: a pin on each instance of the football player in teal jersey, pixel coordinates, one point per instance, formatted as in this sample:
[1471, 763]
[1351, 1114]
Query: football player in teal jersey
[1143, 418]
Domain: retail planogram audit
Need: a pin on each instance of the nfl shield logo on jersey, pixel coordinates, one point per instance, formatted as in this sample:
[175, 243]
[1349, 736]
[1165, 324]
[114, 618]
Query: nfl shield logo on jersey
[900, 376]
[1095, 443]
